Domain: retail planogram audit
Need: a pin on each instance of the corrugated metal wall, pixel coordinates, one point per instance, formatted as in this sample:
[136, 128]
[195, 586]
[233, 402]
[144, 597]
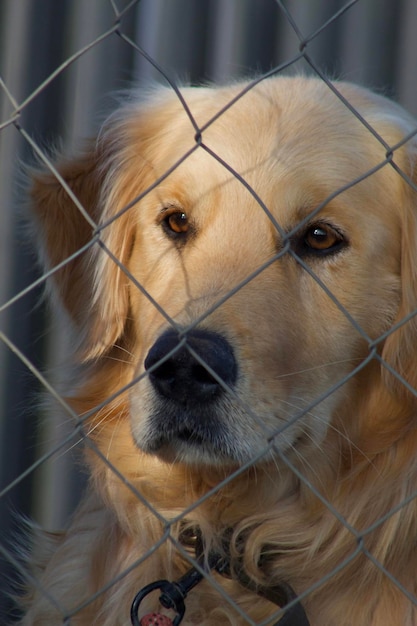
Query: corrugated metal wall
[373, 42]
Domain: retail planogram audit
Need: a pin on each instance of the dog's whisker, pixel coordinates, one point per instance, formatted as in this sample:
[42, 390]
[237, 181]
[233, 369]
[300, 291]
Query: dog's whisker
[120, 348]
[330, 426]
[113, 358]
[319, 367]
[116, 420]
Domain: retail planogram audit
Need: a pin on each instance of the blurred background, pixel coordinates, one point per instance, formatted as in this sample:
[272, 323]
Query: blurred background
[61, 62]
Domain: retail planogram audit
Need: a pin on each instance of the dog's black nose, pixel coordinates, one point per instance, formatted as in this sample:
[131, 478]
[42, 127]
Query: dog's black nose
[176, 374]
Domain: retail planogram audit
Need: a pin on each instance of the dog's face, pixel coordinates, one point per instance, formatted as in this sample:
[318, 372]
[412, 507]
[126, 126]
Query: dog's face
[257, 275]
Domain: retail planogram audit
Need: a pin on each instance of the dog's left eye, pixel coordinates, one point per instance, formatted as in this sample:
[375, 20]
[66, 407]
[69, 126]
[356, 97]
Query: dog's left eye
[322, 239]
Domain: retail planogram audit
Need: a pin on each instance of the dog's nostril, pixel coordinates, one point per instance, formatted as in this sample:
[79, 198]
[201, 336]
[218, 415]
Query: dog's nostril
[165, 371]
[181, 376]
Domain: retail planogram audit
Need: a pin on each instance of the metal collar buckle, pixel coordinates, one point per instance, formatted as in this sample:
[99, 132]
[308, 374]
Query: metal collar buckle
[173, 594]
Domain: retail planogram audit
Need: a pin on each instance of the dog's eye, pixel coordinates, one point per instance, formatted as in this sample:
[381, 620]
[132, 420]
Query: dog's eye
[175, 222]
[322, 239]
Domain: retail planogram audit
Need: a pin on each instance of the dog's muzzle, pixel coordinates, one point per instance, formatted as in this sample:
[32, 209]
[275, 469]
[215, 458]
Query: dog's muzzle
[191, 398]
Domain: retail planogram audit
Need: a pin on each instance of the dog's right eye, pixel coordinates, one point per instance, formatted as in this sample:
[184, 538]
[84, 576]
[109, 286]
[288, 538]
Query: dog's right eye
[175, 222]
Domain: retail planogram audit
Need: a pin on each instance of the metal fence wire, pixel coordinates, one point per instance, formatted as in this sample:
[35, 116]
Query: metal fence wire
[41, 470]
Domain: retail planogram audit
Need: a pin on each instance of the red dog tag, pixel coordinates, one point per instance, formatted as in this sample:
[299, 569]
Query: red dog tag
[155, 619]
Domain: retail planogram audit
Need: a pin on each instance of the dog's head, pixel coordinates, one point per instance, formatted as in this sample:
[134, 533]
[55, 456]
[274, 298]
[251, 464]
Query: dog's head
[244, 273]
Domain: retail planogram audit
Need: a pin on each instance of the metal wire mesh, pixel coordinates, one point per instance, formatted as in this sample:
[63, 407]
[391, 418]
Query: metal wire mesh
[77, 435]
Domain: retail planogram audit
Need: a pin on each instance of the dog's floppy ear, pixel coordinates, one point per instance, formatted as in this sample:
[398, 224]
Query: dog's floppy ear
[400, 349]
[91, 286]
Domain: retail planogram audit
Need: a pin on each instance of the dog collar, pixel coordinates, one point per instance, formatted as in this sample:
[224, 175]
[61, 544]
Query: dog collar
[173, 594]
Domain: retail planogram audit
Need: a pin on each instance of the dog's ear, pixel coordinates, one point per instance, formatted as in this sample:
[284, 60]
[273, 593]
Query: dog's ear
[400, 349]
[90, 285]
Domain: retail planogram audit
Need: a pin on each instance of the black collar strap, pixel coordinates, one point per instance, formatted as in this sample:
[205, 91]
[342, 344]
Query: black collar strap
[173, 594]
[281, 595]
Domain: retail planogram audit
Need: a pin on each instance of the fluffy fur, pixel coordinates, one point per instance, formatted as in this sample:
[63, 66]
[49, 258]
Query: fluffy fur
[309, 451]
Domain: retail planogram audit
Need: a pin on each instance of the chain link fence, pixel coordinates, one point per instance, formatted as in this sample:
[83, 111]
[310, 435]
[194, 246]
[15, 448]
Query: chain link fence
[57, 62]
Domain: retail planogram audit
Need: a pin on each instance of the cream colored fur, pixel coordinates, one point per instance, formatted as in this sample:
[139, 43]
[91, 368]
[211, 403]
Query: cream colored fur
[296, 145]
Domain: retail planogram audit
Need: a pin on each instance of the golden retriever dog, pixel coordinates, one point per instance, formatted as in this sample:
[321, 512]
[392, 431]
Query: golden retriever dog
[238, 266]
